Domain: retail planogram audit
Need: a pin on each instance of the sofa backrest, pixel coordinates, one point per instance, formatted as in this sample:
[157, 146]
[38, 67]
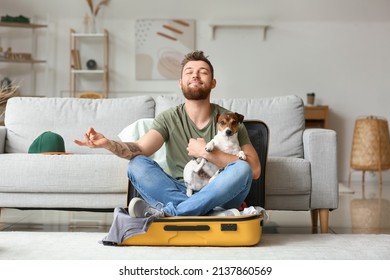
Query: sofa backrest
[27, 117]
[284, 116]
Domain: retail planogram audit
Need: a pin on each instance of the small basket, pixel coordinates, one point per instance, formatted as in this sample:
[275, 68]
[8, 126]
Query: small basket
[91, 95]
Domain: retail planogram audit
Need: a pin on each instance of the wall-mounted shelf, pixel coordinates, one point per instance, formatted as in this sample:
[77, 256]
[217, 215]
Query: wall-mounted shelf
[22, 25]
[22, 60]
[241, 24]
[27, 57]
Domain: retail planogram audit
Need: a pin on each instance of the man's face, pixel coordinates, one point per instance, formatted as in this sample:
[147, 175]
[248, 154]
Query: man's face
[196, 81]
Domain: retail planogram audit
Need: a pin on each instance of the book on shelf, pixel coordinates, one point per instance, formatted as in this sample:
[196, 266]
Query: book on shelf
[76, 59]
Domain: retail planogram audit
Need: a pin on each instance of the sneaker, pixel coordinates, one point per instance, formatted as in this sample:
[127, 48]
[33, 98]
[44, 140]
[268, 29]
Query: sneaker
[223, 212]
[139, 208]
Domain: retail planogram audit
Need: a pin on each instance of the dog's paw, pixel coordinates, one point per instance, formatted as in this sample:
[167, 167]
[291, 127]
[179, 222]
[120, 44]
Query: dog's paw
[189, 192]
[209, 147]
[241, 155]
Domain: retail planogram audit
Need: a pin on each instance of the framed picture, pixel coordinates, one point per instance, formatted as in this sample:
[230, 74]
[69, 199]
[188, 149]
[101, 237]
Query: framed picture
[161, 46]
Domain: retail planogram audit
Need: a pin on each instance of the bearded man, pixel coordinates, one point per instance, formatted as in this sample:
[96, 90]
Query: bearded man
[185, 130]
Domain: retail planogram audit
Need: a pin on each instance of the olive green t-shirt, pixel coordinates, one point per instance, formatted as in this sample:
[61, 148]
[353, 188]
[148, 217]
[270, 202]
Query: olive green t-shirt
[177, 129]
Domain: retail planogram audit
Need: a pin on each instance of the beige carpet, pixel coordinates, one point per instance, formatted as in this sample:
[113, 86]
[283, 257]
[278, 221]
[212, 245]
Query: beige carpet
[85, 246]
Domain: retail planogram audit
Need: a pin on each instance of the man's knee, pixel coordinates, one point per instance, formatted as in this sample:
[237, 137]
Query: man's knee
[137, 165]
[242, 167]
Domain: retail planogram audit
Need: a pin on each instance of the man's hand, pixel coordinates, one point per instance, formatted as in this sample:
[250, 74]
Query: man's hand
[196, 147]
[147, 145]
[93, 139]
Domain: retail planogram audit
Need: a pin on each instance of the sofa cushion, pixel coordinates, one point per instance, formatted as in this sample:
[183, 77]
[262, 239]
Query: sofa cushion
[287, 183]
[135, 130]
[76, 173]
[283, 115]
[27, 117]
[164, 102]
[287, 176]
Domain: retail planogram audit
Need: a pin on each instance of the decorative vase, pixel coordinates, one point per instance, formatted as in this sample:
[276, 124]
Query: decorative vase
[91, 64]
[93, 24]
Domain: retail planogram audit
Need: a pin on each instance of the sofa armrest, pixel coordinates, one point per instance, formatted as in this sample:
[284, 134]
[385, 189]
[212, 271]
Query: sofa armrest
[320, 148]
[3, 134]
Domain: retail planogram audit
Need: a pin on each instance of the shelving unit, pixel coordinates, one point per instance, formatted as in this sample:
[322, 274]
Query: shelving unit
[18, 58]
[77, 55]
[241, 24]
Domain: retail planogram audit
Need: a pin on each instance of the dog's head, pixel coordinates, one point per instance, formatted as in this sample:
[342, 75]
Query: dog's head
[228, 123]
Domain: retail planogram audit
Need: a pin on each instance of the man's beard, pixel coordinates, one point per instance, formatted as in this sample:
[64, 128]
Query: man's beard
[196, 93]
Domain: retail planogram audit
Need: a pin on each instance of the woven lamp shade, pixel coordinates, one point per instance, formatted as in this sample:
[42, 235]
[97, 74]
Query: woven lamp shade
[370, 144]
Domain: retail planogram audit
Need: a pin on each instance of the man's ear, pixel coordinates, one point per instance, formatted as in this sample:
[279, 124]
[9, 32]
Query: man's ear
[180, 84]
[240, 117]
[213, 83]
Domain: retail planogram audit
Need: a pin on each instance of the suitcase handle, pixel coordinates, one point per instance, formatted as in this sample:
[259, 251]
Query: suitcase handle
[187, 228]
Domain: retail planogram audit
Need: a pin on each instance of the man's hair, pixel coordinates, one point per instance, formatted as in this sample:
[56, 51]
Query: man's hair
[196, 56]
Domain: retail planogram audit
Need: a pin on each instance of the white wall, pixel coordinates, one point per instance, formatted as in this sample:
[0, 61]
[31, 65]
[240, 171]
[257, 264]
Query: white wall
[337, 49]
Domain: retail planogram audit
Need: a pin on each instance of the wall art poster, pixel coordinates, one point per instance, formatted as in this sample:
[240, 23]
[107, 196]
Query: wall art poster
[161, 46]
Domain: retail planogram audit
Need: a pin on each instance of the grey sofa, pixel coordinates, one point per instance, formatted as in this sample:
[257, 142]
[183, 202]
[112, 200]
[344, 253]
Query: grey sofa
[301, 170]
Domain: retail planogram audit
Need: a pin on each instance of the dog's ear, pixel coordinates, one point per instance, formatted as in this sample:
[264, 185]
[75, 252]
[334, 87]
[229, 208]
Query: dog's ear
[216, 118]
[240, 117]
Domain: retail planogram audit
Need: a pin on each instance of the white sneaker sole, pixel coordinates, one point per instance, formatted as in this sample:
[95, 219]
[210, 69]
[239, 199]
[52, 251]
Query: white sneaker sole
[131, 207]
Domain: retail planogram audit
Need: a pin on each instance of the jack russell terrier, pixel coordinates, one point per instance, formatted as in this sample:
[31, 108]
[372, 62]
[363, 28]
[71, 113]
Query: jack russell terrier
[199, 172]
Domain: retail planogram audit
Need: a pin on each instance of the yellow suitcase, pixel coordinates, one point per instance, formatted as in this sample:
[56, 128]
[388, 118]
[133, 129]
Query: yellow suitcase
[201, 231]
[212, 230]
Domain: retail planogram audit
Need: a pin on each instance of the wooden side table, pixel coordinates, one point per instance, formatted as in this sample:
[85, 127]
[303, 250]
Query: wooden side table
[316, 116]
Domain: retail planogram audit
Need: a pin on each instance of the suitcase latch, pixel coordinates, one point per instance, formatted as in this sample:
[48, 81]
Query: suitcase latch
[228, 227]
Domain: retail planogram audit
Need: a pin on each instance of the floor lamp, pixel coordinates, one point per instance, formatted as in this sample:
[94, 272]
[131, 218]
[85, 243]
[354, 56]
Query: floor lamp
[370, 147]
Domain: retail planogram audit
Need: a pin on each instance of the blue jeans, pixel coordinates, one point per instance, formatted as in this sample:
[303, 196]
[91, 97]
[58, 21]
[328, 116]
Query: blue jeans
[227, 190]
